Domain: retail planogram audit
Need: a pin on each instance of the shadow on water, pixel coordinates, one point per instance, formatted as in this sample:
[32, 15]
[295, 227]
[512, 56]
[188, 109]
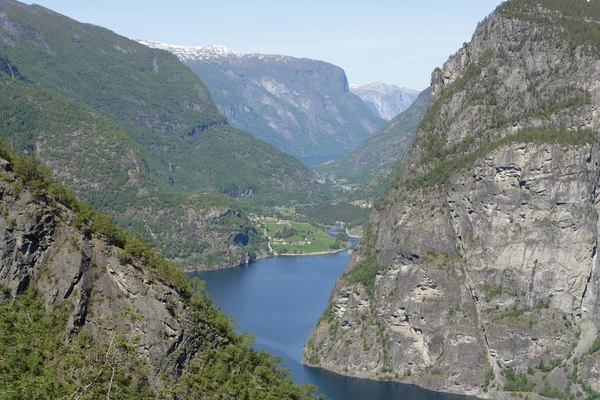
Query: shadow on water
[278, 300]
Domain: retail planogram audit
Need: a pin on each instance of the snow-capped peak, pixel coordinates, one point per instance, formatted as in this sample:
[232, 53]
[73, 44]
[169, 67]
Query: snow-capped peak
[191, 52]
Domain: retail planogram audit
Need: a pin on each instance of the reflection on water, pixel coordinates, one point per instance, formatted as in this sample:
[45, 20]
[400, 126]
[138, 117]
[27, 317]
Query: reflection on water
[278, 300]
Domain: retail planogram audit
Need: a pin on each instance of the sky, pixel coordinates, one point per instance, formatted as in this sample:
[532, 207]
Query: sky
[392, 41]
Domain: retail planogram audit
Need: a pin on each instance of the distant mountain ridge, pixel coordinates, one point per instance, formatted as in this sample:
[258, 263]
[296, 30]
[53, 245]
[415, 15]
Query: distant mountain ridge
[135, 132]
[385, 100]
[302, 106]
[375, 163]
[191, 52]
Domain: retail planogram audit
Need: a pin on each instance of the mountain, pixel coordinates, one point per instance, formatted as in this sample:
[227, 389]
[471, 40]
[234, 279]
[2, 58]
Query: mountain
[479, 273]
[386, 101]
[135, 131]
[375, 162]
[90, 311]
[302, 106]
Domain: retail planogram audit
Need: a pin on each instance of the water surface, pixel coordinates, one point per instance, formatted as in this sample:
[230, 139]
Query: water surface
[279, 300]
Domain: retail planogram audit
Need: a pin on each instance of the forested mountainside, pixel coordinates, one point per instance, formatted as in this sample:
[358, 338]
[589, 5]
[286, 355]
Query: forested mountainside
[135, 132]
[302, 106]
[386, 101]
[375, 163]
[90, 311]
[479, 271]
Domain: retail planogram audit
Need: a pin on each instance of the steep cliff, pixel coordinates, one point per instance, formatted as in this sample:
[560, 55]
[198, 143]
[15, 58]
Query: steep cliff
[89, 311]
[479, 272]
[302, 106]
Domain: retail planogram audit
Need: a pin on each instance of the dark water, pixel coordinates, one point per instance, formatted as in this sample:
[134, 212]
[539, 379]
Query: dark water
[278, 300]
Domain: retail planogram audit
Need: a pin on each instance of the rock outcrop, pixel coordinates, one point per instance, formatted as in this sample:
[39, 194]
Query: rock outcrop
[125, 321]
[479, 274]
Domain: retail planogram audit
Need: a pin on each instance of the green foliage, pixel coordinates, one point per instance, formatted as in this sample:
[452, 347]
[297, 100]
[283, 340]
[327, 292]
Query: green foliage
[327, 314]
[365, 273]
[300, 237]
[375, 163]
[551, 392]
[446, 167]
[492, 292]
[570, 22]
[38, 362]
[489, 377]
[595, 346]
[341, 236]
[329, 213]
[285, 232]
[517, 382]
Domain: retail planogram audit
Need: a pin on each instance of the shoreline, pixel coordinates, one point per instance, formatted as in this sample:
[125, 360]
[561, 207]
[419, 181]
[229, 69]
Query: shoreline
[316, 253]
[264, 257]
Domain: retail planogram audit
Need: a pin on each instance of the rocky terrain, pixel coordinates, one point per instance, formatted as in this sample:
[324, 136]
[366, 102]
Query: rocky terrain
[478, 273]
[90, 311]
[385, 100]
[302, 106]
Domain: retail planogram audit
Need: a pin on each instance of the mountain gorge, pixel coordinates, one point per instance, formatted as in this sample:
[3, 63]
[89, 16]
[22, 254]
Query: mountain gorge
[375, 163]
[385, 100]
[302, 106]
[135, 132]
[478, 273]
[90, 311]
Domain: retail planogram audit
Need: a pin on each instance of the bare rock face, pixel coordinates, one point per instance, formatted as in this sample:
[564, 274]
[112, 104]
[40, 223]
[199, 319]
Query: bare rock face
[479, 274]
[40, 247]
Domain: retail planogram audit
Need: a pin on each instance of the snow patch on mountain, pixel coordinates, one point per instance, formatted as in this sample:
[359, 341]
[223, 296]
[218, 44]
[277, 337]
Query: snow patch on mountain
[192, 52]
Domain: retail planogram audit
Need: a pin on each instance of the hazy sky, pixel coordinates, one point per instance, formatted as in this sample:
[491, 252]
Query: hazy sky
[396, 41]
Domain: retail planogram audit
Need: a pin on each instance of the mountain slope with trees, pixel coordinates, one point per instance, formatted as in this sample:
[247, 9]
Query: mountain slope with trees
[90, 311]
[302, 106]
[135, 132]
[375, 163]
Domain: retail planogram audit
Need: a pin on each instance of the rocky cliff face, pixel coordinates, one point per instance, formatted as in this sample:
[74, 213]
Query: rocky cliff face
[107, 320]
[385, 100]
[480, 273]
[302, 106]
[41, 248]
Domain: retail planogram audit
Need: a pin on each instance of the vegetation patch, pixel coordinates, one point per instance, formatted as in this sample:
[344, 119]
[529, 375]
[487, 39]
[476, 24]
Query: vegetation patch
[290, 237]
[516, 382]
[330, 213]
[365, 273]
[492, 292]
[447, 167]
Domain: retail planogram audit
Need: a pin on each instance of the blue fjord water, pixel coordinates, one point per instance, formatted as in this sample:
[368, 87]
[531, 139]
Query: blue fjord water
[278, 300]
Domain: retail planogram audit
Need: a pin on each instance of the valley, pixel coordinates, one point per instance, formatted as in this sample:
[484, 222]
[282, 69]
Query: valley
[384, 242]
